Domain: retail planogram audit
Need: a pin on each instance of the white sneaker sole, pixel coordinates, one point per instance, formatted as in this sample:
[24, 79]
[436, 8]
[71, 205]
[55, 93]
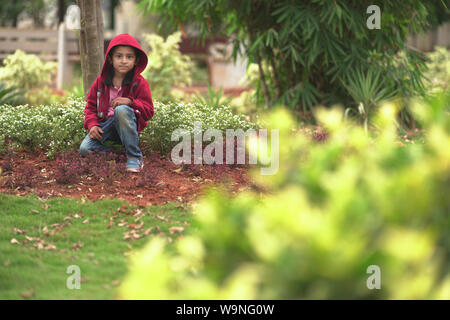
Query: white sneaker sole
[136, 170]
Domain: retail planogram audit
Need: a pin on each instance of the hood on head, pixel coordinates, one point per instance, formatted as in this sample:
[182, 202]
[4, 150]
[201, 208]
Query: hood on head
[125, 40]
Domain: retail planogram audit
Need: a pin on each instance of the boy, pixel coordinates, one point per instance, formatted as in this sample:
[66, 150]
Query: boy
[119, 103]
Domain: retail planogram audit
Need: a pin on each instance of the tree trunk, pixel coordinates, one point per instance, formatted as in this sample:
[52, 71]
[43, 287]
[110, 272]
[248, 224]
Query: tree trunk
[275, 78]
[263, 82]
[61, 11]
[91, 41]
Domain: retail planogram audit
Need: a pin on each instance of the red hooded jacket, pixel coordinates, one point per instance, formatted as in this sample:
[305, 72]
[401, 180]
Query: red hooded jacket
[138, 91]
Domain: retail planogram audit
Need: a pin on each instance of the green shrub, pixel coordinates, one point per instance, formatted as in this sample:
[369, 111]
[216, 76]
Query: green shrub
[59, 128]
[246, 104]
[176, 115]
[167, 66]
[11, 95]
[26, 71]
[45, 96]
[212, 97]
[310, 45]
[438, 73]
[54, 128]
[331, 211]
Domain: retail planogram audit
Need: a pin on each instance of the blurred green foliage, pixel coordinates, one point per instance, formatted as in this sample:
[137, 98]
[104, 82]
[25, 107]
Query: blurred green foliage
[11, 95]
[438, 72]
[29, 72]
[332, 210]
[213, 98]
[305, 49]
[167, 66]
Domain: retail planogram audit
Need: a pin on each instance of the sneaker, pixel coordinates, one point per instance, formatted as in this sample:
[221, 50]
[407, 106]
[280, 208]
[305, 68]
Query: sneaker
[134, 165]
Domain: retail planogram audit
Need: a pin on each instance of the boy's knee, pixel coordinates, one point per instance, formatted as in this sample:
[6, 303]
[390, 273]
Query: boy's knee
[123, 113]
[83, 151]
[123, 110]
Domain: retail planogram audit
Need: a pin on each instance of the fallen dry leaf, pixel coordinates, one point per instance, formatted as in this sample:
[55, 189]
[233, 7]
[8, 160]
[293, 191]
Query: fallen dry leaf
[86, 221]
[115, 283]
[18, 231]
[77, 246]
[147, 232]
[131, 235]
[173, 230]
[39, 246]
[136, 226]
[50, 247]
[27, 294]
[161, 218]
[111, 223]
[14, 241]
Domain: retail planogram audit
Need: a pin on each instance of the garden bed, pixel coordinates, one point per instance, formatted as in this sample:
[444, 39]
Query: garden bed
[161, 181]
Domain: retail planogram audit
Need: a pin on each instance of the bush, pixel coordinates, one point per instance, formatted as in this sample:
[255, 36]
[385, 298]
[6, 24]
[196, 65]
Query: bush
[26, 71]
[176, 115]
[438, 73]
[167, 66]
[11, 95]
[331, 211]
[59, 128]
[54, 128]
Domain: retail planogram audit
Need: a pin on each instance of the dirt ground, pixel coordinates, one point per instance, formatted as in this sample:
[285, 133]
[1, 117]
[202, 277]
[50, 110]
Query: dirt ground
[160, 181]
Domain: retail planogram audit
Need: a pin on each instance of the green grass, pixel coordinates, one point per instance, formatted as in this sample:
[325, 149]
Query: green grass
[102, 258]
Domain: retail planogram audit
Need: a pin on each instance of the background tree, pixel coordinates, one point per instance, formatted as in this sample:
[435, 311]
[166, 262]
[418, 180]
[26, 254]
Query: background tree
[91, 41]
[309, 52]
[36, 9]
[9, 13]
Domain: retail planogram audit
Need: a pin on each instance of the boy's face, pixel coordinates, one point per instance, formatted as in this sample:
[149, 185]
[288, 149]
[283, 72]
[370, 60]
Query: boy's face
[123, 59]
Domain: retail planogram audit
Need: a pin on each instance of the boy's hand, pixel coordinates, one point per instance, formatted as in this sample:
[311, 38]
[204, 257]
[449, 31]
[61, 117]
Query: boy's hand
[95, 133]
[119, 101]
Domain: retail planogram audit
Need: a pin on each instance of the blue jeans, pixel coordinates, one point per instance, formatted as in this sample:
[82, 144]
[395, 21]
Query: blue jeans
[121, 128]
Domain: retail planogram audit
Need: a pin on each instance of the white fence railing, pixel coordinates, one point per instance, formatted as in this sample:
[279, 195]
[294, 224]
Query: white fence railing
[44, 43]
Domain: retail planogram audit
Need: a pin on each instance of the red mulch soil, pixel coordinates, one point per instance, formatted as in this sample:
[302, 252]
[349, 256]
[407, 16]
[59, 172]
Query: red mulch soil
[164, 181]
